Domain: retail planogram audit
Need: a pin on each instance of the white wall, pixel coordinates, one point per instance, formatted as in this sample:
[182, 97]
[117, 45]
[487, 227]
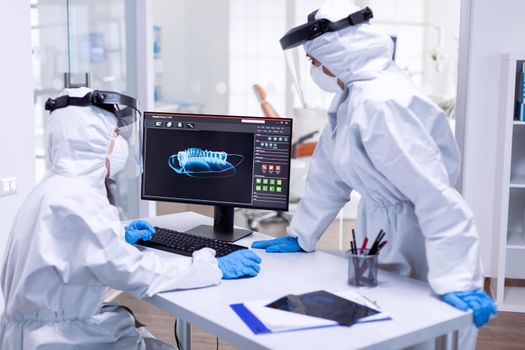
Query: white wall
[207, 50]
[494, 30]
[17, 150]
[402, 18]
[171, 65]
[440, 78]
[194, 51]
[255, 55]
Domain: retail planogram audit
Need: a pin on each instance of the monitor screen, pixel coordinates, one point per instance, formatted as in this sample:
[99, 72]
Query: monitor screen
[217, 160]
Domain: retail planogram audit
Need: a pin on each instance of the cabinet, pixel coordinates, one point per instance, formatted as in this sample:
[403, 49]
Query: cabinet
[509, 284]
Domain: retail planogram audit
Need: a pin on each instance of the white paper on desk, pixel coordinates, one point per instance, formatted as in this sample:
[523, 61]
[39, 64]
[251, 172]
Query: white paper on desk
[279, 321]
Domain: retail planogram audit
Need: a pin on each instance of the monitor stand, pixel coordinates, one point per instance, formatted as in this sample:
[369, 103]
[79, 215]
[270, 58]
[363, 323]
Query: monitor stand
[222, 228]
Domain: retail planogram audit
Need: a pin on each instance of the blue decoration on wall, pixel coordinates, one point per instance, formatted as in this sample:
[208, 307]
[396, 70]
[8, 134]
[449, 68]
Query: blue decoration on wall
[196, 162]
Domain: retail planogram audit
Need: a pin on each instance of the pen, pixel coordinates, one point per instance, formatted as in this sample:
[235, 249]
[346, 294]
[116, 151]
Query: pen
[355, 242]
[363, 246]
[374, 245]
[377, 241]
[381, 238]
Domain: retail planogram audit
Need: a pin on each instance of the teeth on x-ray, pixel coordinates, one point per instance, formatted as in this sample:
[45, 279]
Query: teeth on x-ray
[196, 162]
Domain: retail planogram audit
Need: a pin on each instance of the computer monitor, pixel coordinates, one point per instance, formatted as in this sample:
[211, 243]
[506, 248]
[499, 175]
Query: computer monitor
[224, 161]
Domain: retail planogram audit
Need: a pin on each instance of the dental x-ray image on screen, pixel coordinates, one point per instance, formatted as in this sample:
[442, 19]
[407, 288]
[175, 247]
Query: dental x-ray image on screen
[196, 162]
[202, 165]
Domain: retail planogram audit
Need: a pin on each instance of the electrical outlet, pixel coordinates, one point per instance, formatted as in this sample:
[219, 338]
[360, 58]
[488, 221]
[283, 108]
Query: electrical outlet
[7, 186]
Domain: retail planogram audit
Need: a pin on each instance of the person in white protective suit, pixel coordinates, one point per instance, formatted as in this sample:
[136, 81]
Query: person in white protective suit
[392, 145]
[67, 244]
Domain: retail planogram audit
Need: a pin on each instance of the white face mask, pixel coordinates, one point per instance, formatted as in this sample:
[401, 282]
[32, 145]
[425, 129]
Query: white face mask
[118, 157]
[324, 81]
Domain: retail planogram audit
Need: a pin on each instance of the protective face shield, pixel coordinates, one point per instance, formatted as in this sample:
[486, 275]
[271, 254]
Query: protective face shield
[118, 156]
[296, 56]
[128, 161]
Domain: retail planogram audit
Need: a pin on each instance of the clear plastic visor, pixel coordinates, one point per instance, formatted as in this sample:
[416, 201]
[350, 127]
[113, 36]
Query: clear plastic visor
[130, 128]
[308, 93]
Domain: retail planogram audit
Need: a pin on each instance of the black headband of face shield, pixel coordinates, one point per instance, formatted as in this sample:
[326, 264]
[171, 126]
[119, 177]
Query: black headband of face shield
[314, 28]
[107, 100]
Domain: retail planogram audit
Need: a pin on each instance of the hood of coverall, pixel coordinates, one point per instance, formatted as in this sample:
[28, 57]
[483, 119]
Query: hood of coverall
[354, 53]
[78, 139]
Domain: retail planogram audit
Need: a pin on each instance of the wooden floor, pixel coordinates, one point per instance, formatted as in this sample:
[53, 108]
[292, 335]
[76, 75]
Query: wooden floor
[505, 332]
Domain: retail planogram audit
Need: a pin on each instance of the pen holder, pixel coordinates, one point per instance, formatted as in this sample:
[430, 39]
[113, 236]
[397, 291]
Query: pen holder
[362, 269]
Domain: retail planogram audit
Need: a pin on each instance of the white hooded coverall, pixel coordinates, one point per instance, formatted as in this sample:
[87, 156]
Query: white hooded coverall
[67, 246]
[394, 146]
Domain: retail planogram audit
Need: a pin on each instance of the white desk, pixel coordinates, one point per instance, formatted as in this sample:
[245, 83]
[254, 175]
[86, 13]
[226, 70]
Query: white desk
[417, 314]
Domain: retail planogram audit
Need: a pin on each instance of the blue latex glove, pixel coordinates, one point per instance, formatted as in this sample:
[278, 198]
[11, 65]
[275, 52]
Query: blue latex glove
[478, 301]
[139, 229]
[279, 245]
[240, 263]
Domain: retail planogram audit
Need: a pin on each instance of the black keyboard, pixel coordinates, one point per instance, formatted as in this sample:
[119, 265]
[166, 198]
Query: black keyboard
[185, 243]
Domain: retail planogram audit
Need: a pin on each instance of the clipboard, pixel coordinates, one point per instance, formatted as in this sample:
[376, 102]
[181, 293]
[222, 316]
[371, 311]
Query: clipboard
[264, 320]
